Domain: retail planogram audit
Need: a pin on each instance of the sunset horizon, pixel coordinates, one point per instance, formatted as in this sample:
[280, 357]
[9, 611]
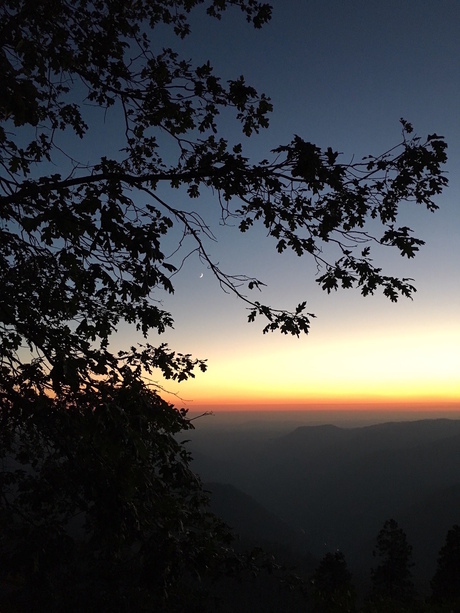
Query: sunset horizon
[421, 406]
[229, 317]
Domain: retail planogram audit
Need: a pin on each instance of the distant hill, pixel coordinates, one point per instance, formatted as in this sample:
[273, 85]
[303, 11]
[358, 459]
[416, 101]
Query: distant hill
[256, 526]
[247, 517]
[338, 485]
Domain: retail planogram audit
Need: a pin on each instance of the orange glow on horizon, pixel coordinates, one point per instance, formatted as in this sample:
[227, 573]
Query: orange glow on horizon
[208, 392]
[358, 403]
[407, 367]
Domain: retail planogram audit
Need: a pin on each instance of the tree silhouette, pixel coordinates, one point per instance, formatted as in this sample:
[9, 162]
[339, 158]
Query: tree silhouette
[445, 584]
[391, 579]
[100, 509]
[81, 244]
[332, 588]
[82, 250]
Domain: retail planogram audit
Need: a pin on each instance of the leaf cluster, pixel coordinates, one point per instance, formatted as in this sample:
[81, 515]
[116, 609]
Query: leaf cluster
[100, 508]
[82, 252]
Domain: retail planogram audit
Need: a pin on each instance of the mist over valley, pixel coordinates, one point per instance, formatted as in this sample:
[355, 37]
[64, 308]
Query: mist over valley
[293, 484]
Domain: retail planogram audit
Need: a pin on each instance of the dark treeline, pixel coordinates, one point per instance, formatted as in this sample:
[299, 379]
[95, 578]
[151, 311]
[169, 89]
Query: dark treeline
[319, 497]
[331, 586]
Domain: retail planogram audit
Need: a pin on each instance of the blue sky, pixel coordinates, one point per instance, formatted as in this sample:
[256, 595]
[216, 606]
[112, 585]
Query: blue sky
[339, 74]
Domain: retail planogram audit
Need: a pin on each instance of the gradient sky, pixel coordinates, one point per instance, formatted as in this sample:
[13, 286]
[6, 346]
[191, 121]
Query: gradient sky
[339, 74]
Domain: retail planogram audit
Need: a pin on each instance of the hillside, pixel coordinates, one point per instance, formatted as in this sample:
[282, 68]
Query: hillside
[336, 486]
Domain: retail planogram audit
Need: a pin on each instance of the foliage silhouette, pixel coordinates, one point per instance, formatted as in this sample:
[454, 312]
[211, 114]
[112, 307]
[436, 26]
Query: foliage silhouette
[445, 584]
[332, 588]
[391, 579]
[100, 509]
[81, 251]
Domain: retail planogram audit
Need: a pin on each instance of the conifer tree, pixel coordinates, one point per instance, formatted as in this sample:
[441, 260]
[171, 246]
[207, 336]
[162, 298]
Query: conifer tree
[391, 579]
[332, 588]
[445, 584]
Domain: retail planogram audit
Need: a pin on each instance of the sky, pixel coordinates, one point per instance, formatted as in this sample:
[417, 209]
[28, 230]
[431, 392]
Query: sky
[339, 74]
